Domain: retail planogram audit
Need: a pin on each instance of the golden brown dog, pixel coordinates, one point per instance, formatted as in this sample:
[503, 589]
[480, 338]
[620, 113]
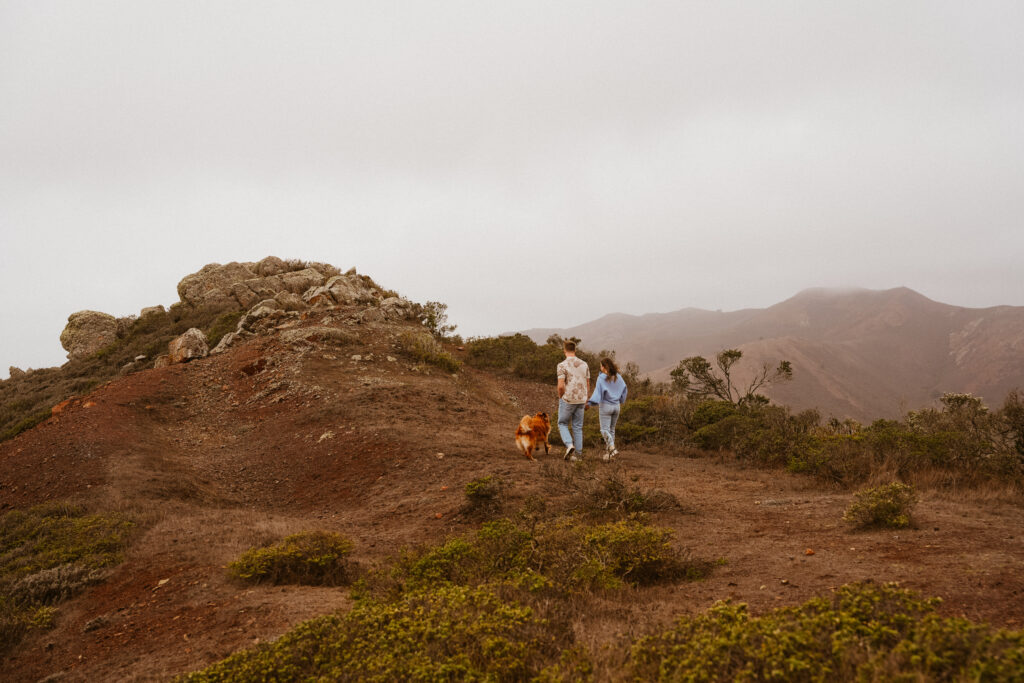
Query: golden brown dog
[532, 432]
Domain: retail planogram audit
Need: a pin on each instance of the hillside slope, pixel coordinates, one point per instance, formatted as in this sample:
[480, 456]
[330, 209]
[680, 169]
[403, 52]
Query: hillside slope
[305, 429]
[856, 353]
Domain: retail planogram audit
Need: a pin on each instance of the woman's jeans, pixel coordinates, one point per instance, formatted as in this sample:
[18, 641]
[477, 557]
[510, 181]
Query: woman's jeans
[609, 417]
[571, 413]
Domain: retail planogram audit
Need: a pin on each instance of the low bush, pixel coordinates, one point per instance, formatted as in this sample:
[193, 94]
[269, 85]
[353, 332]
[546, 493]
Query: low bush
[866, 631]
[48, 554]
[424, 348]
[316, 558]
[565, 555]
[485, 496]
[602, 492]
[443, 633]
[889, 506]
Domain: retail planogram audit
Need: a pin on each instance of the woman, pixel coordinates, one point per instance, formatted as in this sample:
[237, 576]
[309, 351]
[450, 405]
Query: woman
[609, 395]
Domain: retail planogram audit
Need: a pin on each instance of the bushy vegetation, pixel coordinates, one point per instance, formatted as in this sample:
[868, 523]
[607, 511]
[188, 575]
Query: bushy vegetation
[485, 496]
[599, 492]
[565, 555]
[865, 632]
[516, 354]
[424, 348]
[47, 554]
[496, 604]
[960, 442]
[445, 633]
[317, 558]
[889, 505]
[25, 401]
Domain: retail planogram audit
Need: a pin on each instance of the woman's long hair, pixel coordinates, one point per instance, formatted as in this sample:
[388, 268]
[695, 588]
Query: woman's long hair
[609, 365]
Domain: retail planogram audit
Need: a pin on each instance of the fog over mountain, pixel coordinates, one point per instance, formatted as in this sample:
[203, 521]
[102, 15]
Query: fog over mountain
[855, 352]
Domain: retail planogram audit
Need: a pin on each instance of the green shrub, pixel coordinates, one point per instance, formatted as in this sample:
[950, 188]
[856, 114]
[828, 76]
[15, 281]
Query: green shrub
[445, 633]
[423, 347]
[54, 535]
[315, 558]
[226, 322]
[709, 412]
[889, 505]
[612, 493]
[485, 496]
[565, 555]
[516, 354]
[47, 554]
[864, 632]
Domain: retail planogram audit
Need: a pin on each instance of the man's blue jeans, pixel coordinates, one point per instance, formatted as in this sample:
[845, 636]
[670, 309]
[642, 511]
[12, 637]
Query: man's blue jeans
[571, 414]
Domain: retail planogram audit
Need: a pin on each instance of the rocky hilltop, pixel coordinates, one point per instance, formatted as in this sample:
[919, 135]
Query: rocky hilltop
[269, 291]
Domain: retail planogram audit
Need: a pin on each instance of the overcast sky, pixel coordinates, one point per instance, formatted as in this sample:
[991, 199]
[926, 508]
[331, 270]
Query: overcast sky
[530, 164]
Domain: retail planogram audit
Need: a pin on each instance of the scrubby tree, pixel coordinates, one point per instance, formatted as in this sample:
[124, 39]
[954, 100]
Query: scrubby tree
[698, 378]
[435, 319]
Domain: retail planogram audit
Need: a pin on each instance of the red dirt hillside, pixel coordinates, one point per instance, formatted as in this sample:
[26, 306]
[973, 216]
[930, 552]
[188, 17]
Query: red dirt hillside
[301, 429]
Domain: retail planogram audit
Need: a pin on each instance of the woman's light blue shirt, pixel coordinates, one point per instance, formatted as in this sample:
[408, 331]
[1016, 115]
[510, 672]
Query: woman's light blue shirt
[608, 391]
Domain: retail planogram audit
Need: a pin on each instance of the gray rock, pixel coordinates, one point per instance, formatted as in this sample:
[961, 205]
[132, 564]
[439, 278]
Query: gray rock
[188, 346]
[301, 280]
[290, 302]
[395, 308]
[271, 266]
[151, 310]
[213, 285]
[318, 334]
[87, 332]
[124, 326]
[372, 315]
[225, 342]
[161, 361]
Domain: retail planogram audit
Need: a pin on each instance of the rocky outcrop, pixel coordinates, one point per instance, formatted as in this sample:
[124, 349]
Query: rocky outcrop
[87, 332]
[240, 285]
[212, 285]
[273, 292]
[13, 372]
[188, 346]
[343, 289]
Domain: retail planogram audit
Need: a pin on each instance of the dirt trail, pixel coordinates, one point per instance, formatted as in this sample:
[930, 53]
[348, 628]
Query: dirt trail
[228, 452]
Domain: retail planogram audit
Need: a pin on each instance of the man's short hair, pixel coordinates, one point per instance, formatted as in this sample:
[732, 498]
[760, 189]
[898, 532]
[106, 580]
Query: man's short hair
[569, 345]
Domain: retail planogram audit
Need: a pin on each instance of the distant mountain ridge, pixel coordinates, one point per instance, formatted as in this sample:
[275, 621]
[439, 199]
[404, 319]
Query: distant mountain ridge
[856, 353]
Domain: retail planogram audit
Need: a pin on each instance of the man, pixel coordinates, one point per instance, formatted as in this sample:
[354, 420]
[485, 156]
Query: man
[573, 391]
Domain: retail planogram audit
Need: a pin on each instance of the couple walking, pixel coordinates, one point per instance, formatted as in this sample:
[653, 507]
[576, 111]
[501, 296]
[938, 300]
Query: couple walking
[573, 388]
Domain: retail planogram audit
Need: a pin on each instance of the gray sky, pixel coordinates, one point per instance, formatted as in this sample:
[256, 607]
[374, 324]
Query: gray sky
[529, 163]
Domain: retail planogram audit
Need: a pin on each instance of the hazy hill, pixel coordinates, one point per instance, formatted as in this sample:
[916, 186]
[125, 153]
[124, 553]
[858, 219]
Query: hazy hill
[856, 352]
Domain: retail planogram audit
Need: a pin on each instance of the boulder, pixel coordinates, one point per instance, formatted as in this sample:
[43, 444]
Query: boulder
[15, 372]
[151, 310]
[271, 266]
[290, 302]
[225, 342]
[212, 286]
[188, 346]
[124, 326]
[301, 280]
[371, 315]
[162, 361]
[325, 269]
[87, 332]
[342, 289]
[395, 308]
